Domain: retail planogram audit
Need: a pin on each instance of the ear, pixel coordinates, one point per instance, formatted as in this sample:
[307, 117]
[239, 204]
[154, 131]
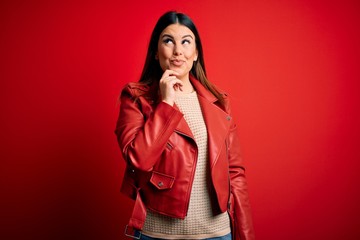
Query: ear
[196, 56]
[157, 56]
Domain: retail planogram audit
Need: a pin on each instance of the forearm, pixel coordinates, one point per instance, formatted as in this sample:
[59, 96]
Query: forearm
[141, 138]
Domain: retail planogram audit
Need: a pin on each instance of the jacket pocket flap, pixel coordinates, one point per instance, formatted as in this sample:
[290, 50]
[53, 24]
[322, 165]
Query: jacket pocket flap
[161, 181]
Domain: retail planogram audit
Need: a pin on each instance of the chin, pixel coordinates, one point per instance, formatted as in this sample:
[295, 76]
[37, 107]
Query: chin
[181, 71]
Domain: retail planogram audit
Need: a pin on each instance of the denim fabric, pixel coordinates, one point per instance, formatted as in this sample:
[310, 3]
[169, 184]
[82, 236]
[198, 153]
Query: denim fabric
[144, 237]
[226, 237]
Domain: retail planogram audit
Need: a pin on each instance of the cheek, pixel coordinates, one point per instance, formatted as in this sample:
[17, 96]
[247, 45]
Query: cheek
[163, 57]
[163, 61]
[190, 53]
[164, 52]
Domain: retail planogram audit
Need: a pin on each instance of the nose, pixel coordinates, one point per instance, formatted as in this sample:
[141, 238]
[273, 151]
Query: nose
[177, 50]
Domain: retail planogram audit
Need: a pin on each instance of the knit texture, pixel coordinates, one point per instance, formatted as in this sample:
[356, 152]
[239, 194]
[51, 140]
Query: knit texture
[200, 222]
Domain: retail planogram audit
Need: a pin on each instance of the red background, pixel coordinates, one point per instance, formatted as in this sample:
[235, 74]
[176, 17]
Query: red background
[291, 67]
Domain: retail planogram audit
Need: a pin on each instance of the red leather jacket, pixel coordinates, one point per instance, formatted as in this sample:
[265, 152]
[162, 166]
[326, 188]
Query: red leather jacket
[161, 154]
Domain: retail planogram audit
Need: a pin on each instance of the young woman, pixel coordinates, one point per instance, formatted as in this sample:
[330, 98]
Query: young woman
[176, 133]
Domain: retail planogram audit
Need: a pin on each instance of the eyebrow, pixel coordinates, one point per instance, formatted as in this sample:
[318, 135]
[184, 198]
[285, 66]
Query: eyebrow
[168, 35]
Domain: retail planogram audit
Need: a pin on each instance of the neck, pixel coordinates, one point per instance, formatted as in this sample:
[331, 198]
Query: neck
[187, 86]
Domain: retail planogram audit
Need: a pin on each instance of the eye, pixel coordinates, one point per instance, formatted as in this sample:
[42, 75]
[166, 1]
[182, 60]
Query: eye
[168, 40]
[186, 41]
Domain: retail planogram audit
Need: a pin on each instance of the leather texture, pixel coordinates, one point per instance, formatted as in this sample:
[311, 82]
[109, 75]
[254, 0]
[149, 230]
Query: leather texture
[161, 155]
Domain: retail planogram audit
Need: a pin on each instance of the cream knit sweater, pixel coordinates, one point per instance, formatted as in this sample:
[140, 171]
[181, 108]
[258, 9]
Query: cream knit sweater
[200, 222]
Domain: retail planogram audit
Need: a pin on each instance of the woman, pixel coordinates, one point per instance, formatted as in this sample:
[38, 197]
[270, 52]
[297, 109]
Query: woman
[175, 130]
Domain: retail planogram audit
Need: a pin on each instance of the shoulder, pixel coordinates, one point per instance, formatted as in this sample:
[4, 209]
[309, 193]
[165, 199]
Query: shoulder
[221, 91]
[225, 101]
[135, 89]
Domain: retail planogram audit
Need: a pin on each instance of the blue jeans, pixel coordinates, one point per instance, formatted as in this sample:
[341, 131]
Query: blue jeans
[144, 237]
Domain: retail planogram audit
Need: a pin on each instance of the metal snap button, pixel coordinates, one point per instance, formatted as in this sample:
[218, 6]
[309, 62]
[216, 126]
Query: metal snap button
[160, 184]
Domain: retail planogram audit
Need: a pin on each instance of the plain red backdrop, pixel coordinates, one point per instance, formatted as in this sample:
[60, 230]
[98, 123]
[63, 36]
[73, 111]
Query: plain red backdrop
[291, 68]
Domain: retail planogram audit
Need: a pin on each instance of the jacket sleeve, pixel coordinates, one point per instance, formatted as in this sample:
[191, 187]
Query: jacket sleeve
[240, 205]
[143, 137]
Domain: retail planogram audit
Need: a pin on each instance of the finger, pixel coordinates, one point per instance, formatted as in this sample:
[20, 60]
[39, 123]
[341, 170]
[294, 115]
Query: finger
[169, 72]
[166, 79]
[173, 79]
[177, 86]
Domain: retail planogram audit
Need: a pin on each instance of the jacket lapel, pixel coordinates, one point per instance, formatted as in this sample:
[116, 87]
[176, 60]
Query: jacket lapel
[217, 120]
[183, 128]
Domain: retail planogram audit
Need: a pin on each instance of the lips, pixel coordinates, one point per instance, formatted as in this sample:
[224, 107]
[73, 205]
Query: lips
[177, 62]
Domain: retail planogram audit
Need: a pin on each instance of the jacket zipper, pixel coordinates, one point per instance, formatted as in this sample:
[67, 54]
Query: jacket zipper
[192, 172]
[192, 181]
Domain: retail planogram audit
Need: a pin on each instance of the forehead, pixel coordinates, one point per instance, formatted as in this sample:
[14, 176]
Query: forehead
[177, 31]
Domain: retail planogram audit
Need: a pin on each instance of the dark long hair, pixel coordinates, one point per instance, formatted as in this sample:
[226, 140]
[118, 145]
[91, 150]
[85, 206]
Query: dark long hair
[152, 71]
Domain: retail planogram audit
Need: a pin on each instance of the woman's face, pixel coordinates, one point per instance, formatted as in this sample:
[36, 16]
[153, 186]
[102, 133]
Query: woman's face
[177, 50]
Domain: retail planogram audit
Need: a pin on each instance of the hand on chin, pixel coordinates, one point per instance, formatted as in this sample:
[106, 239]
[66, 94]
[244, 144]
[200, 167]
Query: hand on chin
[178, 70]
